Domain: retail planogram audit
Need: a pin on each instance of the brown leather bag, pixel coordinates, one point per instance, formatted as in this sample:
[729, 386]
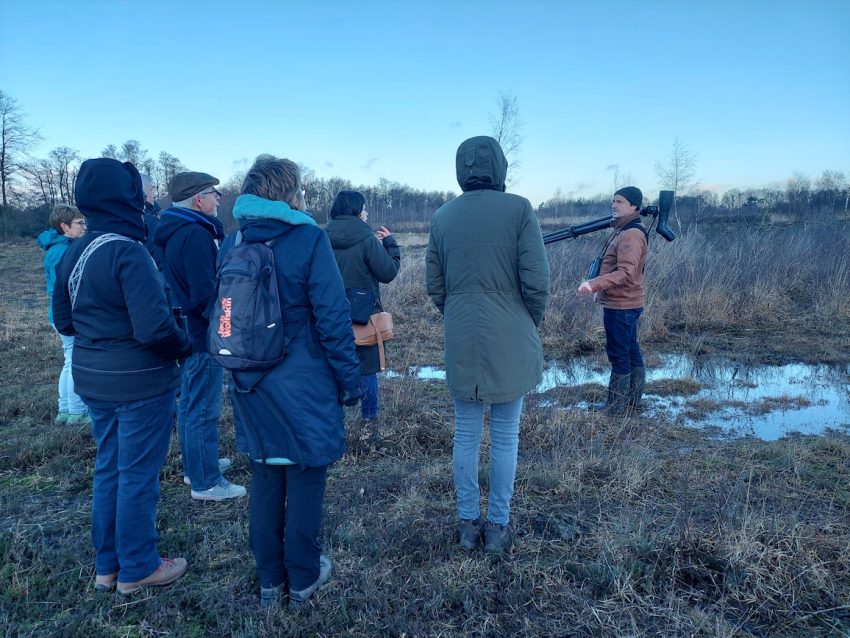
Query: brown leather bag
[378, 330]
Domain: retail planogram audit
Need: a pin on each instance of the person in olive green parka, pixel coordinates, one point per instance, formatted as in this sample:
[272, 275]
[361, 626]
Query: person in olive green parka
[488, 274]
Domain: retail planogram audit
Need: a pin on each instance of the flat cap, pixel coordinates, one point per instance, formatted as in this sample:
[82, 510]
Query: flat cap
[184, 185]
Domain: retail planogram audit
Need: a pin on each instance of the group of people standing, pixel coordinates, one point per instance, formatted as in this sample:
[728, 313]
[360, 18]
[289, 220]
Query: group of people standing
[487, 273]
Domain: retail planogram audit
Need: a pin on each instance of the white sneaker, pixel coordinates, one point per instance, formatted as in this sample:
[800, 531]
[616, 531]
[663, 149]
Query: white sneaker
[223, 466]
[224, 490]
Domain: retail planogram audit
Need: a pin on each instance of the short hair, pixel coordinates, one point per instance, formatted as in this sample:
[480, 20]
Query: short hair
[347, 203]
[276, 179]
[185, 203]
[147, 183]
[64, 214]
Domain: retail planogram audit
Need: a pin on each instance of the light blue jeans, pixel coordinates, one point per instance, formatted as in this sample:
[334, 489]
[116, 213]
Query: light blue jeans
[69, 401]
[198, 411]
[504, 439]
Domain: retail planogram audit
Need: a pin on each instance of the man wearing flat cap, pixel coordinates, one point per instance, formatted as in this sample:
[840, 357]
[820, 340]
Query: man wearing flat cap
[187, 237]
[619, 290]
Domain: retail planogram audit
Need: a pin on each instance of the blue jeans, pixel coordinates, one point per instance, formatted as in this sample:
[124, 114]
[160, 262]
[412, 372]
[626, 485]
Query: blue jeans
[132, 441]
[284, 519]
[369, 395]
[69, 401]
[621, 339]
[197, 419]
[504, 439]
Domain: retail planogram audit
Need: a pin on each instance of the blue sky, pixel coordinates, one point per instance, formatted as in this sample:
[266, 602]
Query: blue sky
[760, 89]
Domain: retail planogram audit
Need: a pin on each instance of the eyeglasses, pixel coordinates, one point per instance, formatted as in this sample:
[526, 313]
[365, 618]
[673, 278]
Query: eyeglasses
[79, 222]
[212, 192]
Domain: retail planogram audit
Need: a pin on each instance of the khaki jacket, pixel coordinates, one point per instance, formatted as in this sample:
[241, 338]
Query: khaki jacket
[487, 272]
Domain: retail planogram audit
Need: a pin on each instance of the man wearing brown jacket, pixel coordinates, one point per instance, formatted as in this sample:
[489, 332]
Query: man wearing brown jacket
[619, 290]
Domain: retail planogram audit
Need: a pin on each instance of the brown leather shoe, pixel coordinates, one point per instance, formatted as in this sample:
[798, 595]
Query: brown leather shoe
[169, 570]
[105, 582]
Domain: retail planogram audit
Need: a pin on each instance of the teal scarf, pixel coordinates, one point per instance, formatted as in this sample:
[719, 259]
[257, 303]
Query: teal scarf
[253, 207]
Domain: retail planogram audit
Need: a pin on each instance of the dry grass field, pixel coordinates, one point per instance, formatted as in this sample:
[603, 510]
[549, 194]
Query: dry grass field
[627, 527]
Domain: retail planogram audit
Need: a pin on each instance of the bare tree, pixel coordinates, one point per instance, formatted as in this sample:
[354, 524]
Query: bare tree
[677, 172]
[15, 139]
[132, 151]
[41, 180]
[620, 179]
[110, 151]
[52, 179]
[166, 168]
[65, 164]
[506, 126]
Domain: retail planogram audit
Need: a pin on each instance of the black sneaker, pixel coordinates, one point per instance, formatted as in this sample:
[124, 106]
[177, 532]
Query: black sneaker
[470, 532]
[497, 538]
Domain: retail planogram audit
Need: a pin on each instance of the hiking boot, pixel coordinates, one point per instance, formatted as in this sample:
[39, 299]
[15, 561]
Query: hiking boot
[169, 570]
[224, 490]
[61, 418]
[270, 595]
[497, 538]
[223, 466]
[75, 420]
[298, 598]
[637, 381]
[470, 532]
[106, 582]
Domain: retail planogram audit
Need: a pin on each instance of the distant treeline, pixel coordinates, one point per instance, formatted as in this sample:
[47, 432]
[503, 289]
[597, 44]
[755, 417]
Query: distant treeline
[38, 184]
[799, 200]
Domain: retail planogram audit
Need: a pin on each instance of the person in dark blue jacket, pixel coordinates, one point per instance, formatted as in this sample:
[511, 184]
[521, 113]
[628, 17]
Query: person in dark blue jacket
[186, 243]
[109, 296]
[289, 420]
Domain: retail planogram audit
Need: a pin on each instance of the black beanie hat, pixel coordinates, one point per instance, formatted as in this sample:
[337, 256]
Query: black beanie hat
[632, 194]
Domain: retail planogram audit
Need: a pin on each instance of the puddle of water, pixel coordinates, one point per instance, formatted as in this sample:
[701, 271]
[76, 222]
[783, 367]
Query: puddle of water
[764, 401]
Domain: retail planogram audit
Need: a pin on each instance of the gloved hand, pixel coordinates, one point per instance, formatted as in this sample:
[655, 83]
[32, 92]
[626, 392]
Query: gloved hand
[349, 397]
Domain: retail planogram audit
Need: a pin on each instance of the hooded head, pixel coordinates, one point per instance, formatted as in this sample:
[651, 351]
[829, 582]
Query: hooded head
[481, 165]
[109, 193]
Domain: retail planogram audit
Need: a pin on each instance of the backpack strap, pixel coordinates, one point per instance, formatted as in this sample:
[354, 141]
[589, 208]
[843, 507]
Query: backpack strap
[380, 339]
[636, 223]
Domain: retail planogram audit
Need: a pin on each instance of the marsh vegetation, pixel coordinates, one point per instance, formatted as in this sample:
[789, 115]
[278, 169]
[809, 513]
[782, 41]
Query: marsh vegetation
[636, 526]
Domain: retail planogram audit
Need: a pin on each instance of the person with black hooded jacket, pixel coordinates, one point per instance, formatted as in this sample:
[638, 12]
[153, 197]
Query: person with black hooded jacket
[365, 259]
[127, 345]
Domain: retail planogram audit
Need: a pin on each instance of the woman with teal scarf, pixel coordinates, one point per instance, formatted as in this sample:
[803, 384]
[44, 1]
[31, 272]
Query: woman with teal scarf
[290, 423]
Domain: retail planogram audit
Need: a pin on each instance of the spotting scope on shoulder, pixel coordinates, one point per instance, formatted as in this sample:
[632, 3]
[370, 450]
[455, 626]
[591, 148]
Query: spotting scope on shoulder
[659, 214]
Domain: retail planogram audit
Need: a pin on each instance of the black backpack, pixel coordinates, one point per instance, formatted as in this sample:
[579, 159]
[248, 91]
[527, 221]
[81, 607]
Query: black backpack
[246, 320]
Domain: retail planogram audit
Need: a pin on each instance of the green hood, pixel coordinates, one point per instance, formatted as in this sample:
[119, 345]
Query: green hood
[481, 165]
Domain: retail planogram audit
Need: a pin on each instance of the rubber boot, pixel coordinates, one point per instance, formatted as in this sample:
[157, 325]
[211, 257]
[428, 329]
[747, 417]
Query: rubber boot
[637, 380]
[618, 390]
[602, 407]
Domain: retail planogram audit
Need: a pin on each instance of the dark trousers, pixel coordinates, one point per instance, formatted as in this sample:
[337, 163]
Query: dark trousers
[284, 518]
[369, 395]
[621, 339]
